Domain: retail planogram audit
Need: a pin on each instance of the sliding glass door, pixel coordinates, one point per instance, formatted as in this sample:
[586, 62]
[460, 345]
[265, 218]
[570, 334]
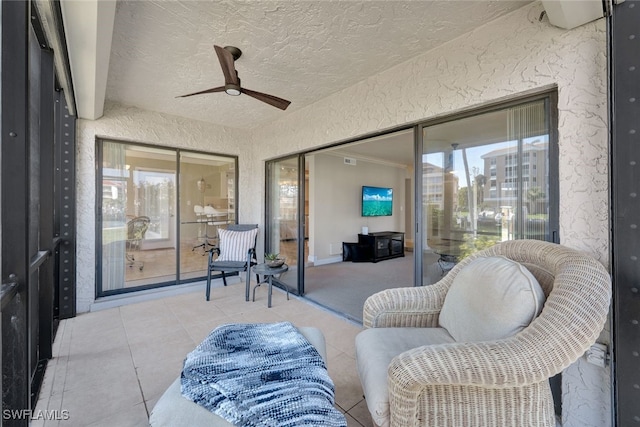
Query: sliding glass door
[286, 216]
[486, 179]
[138, 216]
[207, 203]
[158, 214]
[460, 184]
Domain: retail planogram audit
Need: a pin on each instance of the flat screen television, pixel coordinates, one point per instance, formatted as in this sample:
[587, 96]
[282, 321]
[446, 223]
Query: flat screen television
[377, 201]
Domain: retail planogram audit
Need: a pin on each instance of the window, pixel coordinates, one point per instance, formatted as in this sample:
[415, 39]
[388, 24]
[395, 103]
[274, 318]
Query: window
[489, 191]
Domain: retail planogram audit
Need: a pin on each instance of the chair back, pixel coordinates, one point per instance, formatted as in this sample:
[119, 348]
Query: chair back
[239, 246]
[137, 227]
[578, 293]
[241, 227]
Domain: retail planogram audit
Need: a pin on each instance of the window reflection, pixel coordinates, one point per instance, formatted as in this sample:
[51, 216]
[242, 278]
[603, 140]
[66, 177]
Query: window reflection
[485, 180]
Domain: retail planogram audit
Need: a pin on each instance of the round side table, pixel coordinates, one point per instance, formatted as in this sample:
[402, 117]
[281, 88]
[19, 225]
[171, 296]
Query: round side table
[268, 273]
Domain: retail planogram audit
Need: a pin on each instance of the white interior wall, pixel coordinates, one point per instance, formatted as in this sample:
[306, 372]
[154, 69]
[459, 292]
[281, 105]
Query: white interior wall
[336, 203]
[505, 58]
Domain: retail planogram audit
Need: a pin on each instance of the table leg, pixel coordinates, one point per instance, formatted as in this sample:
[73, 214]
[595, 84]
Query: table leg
[270, 291]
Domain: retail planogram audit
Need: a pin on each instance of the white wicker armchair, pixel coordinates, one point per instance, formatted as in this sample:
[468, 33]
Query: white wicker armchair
[492, 383]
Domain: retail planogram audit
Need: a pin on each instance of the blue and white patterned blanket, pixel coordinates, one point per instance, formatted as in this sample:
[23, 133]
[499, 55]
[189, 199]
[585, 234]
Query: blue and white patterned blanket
[264, 374]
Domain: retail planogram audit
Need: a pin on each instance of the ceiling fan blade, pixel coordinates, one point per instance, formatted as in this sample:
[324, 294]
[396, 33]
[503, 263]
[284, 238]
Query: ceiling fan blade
[227, 63]
[215, 89]
[269, 99]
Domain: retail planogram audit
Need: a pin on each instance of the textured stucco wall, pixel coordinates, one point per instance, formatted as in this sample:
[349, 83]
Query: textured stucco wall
[505, 58]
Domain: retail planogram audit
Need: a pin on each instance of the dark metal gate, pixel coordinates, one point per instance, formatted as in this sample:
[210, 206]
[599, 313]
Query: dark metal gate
[624, 54]
[36, 210]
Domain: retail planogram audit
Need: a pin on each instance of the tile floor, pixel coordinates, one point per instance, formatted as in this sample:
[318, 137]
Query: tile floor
[111, 366]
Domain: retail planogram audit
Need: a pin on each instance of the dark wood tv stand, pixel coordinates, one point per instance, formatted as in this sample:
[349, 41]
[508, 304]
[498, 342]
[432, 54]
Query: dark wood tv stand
[383, 245]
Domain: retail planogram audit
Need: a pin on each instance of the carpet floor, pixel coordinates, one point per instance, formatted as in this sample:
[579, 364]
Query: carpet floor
[343, 287]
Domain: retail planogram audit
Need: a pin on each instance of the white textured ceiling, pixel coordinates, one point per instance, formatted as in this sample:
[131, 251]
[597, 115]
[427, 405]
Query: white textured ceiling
[302, 51]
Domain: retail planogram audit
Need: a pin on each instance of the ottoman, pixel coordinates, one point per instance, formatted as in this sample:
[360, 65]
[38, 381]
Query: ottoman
[172, 409]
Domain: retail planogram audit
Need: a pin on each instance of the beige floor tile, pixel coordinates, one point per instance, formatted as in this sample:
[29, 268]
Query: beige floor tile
[151, 327]
[54, 379]
[195, 311]
[143, 310]
[259, 315]
[95, 322]
[292, 308]
[173, 345]
[101, 400]
[342, 370]
[134, 417]
[199, 331]
[342, 334]
[91, 368]
[360, 413]
[352, 422]
[111, 366]
[150, 403]
[98, 339]
[155, 378]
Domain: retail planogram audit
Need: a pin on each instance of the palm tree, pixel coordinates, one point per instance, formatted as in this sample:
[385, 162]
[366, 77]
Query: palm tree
[534, 194]
[481, 181]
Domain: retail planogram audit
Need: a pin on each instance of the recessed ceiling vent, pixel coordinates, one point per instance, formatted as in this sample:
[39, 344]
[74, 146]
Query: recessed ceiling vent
[349, 161]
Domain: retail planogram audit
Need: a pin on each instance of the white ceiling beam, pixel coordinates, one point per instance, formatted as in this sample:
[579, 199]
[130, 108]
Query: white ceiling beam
[88, 26]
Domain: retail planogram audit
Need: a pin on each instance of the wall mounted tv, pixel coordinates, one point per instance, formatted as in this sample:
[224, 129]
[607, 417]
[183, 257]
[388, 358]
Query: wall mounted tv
[377, 201]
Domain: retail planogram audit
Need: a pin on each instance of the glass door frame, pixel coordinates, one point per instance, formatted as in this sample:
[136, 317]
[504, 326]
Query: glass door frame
[300, 223]
[550, 96]
[99, 157]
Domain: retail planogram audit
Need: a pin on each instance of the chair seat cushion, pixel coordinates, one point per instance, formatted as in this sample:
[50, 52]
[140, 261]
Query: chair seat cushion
[235, 245]
[375, 348]
[491, 298]
[229, 265]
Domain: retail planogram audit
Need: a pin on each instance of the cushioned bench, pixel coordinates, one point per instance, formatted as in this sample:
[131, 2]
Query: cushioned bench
[172, 409]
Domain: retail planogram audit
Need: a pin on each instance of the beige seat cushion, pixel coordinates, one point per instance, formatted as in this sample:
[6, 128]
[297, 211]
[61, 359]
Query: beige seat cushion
[375, 348]
[172, 409]
[491, 298]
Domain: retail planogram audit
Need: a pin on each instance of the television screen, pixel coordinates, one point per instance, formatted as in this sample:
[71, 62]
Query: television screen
[377, 201]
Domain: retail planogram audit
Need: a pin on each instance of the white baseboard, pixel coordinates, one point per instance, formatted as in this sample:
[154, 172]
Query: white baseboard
[331, 260]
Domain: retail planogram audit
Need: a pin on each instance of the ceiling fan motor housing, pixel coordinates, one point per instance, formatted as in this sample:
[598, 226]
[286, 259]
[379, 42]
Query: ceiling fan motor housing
[237, 53]
[232, 89]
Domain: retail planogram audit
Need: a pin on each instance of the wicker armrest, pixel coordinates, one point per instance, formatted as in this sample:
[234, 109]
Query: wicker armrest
[482, 364]
[404, 307]
[518, 361]
[459, 371]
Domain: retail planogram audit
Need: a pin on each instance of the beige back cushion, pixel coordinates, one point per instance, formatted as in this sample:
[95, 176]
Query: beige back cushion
[491, 298]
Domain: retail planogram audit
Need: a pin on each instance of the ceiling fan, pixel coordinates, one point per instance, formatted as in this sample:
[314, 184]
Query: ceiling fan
[227, 56]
